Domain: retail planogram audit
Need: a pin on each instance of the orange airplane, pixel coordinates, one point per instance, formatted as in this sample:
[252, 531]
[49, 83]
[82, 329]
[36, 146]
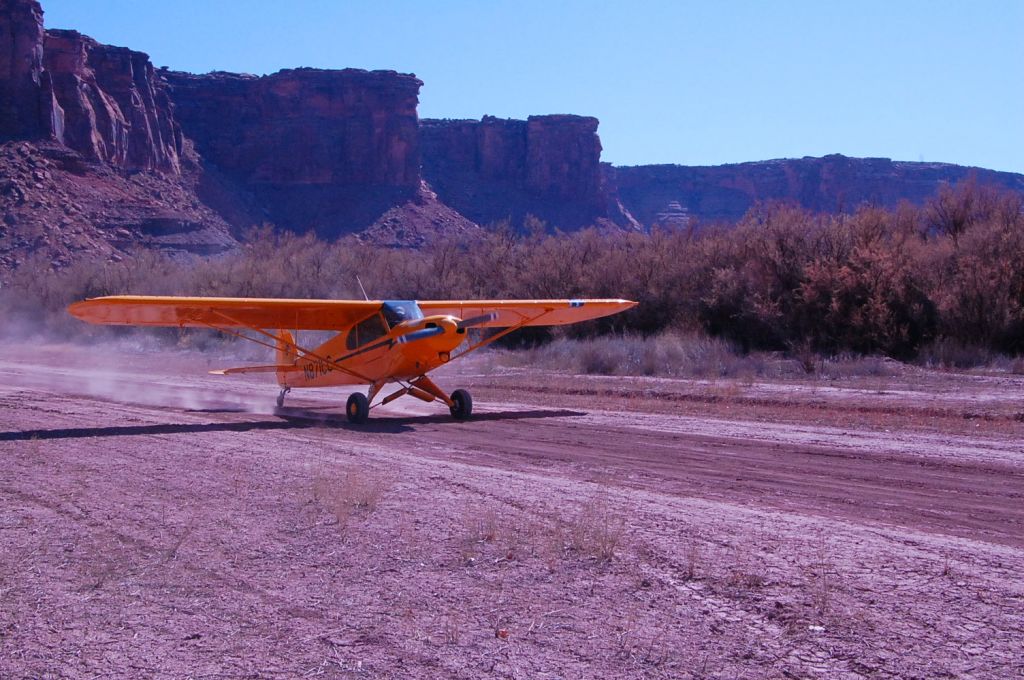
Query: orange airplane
[378, 341]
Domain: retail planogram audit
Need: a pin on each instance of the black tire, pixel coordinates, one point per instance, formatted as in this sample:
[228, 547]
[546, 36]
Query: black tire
[462, 408]
[358, 408]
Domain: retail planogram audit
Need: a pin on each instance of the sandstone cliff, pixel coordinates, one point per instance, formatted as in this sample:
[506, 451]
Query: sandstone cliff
[676, 193]
[494, 169]
[92, 161]
[329, 151]
[115, 110]
[27, 106]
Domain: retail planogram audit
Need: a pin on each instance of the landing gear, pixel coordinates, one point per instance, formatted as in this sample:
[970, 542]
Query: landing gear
[357, 408]
[462, 405]
[280, 397]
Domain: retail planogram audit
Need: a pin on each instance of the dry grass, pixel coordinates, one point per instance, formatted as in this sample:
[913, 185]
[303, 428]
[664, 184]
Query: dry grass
[347, 493]
[691, 355]
[669, 354]
[822, 577]
[595, 534]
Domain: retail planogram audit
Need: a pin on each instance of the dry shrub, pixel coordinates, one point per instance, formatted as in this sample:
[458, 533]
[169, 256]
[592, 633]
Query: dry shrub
[692, 561]
[504, 535]
[871, 282]
[952, 353]
[595, 532]
[850, 366]
[822, 577]
[347, 493]
[668, 354]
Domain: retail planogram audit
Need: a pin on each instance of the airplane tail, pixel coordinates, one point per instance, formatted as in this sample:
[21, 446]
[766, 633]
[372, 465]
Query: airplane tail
[286, 355]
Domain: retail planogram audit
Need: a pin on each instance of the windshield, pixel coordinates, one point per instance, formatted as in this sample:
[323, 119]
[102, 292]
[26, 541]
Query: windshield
[397, 311]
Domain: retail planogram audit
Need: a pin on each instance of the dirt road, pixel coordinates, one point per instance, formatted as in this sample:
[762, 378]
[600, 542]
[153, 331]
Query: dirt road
[158, 521]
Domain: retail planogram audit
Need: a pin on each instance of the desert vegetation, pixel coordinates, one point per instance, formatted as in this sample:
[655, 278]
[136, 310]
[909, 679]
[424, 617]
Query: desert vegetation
[943, 283]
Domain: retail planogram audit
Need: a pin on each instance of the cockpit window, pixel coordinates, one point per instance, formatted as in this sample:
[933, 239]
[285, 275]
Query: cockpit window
[397, 311]
[365, 331]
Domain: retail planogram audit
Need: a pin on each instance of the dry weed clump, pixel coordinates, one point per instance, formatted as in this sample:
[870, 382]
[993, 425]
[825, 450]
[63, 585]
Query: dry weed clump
[822, 577]
[347, 493]
[595, 532]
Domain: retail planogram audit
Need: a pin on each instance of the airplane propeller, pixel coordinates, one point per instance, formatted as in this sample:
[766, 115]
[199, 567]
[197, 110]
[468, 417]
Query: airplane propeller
[421, 334]
[476, 320]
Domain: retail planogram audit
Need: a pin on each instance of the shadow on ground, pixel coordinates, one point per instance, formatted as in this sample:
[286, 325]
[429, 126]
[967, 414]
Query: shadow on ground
[286, 419]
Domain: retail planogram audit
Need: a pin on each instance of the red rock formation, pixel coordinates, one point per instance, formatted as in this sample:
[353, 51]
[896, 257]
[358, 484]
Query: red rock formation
[94, 165]
[547, 166]
[115, 108]
[323, 150]
[675, 193]
[27, 106]
[563, 158]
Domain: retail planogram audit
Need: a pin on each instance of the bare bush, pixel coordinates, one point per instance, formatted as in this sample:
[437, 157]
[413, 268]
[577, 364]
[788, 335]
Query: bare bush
[347, 493]
[596, 532]
[885, 282]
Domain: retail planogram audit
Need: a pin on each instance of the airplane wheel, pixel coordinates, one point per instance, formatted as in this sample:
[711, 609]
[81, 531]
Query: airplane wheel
[358, 408]
[463, 406]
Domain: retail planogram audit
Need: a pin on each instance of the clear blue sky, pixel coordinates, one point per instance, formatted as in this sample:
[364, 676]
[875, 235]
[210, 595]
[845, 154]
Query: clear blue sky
[697, 83]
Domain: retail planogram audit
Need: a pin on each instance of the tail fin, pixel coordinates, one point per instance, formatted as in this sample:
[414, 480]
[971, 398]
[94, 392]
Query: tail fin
[286, 355]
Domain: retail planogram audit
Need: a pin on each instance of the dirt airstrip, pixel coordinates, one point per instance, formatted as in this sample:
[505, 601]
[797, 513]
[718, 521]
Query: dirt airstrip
[156, 521]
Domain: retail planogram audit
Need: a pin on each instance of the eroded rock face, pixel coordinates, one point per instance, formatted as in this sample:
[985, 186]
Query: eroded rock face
[104, 102]
[674, 194]
[322, 150]
[115, 108]
[493, 169]
[27, 107]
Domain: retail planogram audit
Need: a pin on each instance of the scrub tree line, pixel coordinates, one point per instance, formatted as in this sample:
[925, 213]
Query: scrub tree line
[945, 278]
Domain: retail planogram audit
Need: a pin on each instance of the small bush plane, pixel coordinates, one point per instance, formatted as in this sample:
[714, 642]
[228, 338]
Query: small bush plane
[378, 342]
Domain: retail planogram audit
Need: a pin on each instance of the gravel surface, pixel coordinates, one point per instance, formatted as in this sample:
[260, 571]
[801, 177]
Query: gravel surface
[157, 521]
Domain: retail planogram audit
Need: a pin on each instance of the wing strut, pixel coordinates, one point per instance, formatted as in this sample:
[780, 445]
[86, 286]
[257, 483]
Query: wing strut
[505, 331]
[305, 352]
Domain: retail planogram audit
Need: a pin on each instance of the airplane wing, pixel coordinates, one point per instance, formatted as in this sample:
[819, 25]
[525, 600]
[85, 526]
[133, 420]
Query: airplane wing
[277, 368]
[507, 313]
[204, 312]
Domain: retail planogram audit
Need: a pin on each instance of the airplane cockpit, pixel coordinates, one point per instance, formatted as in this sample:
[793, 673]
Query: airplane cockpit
[392, 313]
[397, 311]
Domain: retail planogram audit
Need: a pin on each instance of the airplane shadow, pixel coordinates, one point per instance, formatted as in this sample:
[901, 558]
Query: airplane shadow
[288, 419]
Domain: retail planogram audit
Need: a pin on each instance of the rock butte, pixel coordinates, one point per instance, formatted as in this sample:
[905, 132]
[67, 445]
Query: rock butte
[101, 152]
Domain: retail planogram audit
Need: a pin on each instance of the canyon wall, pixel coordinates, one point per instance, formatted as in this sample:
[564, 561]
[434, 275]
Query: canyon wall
[494, 169]
[328, 151]
[101, 101]
[92, 160]
[27, 106]
[676, 193]
[114, 108]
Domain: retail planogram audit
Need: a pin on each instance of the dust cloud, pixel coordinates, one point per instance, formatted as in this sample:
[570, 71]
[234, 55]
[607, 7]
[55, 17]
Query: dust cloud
[113, 371]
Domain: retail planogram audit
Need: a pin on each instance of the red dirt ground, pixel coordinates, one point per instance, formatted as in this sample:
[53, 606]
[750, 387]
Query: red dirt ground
[158, 521]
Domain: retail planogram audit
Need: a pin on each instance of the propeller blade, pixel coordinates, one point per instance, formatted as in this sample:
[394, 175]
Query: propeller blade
[477, 320]
[421, 334]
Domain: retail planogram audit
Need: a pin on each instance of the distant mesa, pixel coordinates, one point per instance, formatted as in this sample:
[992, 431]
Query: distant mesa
[100, 152]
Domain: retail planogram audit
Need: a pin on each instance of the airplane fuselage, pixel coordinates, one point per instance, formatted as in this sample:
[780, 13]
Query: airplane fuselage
[383, 359]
